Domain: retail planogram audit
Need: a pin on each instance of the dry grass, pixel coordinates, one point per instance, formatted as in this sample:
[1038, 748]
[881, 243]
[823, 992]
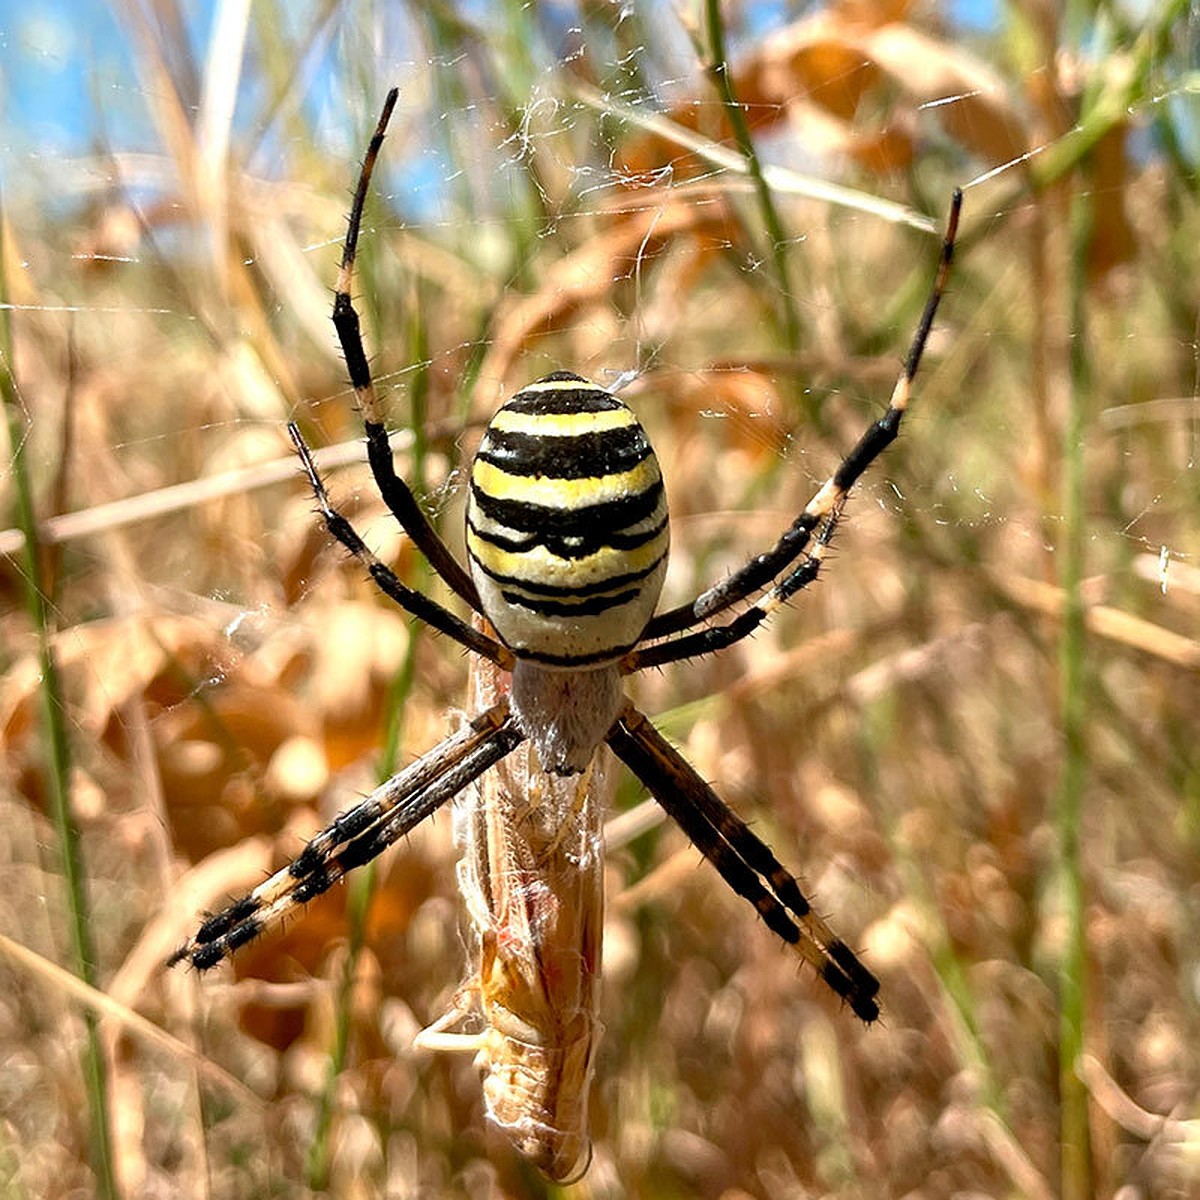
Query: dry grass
[897, 735]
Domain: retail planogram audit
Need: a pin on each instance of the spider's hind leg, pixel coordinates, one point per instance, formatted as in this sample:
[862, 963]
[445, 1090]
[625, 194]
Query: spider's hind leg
[744, 861]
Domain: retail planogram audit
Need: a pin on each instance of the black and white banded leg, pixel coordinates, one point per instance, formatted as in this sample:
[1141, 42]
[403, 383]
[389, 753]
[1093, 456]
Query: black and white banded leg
[815, 525]
[743, 860]
[360, 834]
[415, 603]
[395, 492]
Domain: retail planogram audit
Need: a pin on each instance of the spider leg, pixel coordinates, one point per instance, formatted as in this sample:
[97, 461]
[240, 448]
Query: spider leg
[412, 601]
[718, 637]
[742, 858]
[396, 493]
[358, 835]
[763, 569]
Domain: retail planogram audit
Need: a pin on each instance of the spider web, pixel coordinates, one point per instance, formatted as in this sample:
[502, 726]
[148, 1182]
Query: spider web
[563, 186]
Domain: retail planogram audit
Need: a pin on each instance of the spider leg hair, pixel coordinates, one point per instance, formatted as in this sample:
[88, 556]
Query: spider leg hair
[360, 834]
[718, 637]
[412, 601]
[743, 860]
[764, 568]
[396, 493]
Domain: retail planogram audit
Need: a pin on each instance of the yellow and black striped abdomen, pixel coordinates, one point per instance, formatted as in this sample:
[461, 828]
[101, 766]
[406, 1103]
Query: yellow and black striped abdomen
[567, 523]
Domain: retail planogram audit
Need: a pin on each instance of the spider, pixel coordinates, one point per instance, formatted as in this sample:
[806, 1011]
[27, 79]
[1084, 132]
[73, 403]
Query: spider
[567, 541]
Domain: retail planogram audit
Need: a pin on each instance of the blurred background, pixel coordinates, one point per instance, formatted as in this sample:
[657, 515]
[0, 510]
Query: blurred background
[974, 739]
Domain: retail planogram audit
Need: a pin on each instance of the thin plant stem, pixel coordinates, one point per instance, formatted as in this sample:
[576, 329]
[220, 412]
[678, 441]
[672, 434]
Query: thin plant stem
[1076, 1156]
[719, 69]
[58, 755]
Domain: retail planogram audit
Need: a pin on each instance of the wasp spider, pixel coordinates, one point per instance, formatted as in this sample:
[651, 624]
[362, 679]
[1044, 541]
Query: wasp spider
[567, 541]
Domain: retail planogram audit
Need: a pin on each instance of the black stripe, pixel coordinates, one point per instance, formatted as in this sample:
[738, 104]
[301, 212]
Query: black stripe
[589, 589]
[587, 397]
[589, 608]
[218, 926]
[316, 883]
[579, 660]
[540, 519]
[865, 984]
[872, 444]
[603, 452]
[560, 377]
[578, 547]
[204, 957]
[345, 321]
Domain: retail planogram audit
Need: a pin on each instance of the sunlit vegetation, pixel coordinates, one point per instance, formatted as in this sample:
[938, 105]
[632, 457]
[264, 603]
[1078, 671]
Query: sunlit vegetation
[974, 739]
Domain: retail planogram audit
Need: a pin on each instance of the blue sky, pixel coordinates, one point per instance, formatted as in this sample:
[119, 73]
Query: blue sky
[67, 75]
[58, 63]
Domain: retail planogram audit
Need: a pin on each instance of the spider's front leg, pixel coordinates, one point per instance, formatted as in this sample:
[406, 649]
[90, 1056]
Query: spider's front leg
[395, 492]
[415, 603]
[819, 518]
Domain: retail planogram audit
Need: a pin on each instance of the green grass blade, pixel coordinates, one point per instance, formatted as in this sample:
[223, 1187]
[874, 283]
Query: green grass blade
[719, 69]
[57, 752]
[1076, 1153]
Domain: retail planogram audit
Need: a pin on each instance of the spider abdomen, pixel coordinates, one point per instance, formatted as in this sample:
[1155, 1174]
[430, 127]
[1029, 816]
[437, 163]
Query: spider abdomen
[567, 523]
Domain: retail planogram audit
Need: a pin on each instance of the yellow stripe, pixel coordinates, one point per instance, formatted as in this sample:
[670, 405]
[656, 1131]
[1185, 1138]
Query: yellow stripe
[564, 494]
[562, 424]
[539, 566]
